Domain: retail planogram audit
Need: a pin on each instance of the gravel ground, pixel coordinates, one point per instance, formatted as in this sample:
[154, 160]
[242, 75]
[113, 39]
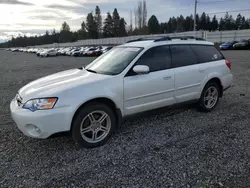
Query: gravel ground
[169, 147]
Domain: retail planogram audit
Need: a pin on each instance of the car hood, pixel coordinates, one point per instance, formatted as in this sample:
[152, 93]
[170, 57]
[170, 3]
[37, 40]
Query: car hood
[51, 85]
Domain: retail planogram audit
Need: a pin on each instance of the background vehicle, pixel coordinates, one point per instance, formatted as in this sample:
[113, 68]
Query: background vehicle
[138, 76]
[106, 49]
[95, 52]
[78, 52]
[91, 51]
[14, 50]
[227, 45]
[48, 53]
[69, 52]
[243, 44]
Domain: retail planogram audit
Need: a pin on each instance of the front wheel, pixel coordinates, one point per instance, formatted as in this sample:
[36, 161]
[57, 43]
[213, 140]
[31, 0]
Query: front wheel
[93, 125]
[210, 97]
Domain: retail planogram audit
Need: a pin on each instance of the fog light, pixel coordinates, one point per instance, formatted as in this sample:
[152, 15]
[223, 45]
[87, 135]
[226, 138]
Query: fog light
[37, 130]
[33, 130]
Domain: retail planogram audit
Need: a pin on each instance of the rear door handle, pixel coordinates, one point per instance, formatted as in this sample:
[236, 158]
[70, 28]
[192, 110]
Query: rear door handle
[167, 77]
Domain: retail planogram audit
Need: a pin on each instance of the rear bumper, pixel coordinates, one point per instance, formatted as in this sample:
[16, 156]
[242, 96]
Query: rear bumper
[224, 89]
[227, 81]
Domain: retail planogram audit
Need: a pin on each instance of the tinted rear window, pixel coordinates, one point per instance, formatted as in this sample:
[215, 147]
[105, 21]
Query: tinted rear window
[182, 55]
[206, 53]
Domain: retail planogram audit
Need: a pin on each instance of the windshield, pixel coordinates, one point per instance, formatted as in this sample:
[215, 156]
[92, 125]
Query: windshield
[114, 61]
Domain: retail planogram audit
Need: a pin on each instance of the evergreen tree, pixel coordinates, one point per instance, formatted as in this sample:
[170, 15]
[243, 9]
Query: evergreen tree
[180, 23]
[222, 26]
[82, 33]
[197, 22]
[214, 24]
[153, 25]
[203, 21]
[74, 37]
[188, 23]
[232, 23]
[91, 26]
[239, 22]
[116, 23]
[65, 27]
[108, 26]
[208, 24]
[229, 22]
[98, 20]
[53, 32]
[164, 27]
[65, 34]
[170, 30]
[246, 24]
[122, 28]
[174, 24]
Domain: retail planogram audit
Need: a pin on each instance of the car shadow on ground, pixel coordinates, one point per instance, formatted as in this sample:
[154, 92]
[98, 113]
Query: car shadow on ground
[67, 141]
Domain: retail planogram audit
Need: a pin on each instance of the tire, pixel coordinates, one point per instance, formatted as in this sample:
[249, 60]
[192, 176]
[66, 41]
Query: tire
[205, 104]
[82, 122]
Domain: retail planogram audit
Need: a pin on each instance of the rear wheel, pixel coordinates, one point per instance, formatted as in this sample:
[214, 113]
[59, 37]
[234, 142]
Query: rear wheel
[210, 97]
[93, 125]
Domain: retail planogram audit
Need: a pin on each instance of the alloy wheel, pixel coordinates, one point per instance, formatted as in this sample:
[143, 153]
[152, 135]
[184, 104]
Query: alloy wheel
[211, 97]
[95, 126]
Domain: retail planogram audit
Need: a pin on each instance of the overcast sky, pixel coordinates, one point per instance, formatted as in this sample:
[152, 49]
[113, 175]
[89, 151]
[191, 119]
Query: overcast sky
[32, 17]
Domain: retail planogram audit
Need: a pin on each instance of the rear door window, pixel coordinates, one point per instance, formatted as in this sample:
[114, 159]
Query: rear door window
[206, 53]
[182, 55]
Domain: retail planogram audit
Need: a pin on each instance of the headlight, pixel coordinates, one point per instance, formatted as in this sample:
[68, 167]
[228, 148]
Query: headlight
[40, 104]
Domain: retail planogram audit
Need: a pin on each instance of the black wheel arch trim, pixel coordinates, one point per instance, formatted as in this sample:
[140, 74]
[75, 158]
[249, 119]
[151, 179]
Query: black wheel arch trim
[102, 100]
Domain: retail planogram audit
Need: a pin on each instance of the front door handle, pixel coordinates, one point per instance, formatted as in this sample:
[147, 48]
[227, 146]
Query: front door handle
[167, 77]
[202, 70]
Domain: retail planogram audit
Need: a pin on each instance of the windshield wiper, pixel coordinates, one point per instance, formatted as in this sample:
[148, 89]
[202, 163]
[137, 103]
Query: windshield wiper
[89, 70]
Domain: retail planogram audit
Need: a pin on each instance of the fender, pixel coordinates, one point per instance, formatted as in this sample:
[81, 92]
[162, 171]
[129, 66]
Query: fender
[211, 76]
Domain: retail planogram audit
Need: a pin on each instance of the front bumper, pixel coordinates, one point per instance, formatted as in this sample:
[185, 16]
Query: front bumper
[224, 48]
[41, 123]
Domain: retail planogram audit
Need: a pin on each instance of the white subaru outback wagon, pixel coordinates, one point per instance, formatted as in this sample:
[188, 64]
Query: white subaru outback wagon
[138, 76]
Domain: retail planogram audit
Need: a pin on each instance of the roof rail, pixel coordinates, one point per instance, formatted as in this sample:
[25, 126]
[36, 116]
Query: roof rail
[166, 38]
[188, 37]
[139, 39]
[134, 40]
[163, 39]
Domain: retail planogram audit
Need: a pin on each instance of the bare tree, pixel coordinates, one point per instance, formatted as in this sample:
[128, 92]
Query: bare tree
[145, 14]
[131, 22]
[136, 17]
[140, 14]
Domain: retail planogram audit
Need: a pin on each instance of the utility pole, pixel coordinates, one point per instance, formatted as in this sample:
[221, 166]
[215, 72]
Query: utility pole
[195, 10]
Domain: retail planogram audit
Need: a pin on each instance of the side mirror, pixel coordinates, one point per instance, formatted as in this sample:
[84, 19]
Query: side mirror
[141, 69]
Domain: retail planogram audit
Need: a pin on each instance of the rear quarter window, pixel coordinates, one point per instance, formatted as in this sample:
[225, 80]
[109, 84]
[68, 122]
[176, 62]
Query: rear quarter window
[206, 54]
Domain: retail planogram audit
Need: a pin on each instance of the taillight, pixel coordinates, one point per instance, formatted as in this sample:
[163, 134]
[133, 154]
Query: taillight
[228, 64]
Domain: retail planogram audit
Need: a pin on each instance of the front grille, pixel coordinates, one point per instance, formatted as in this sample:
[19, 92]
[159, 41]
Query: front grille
[19, 100]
